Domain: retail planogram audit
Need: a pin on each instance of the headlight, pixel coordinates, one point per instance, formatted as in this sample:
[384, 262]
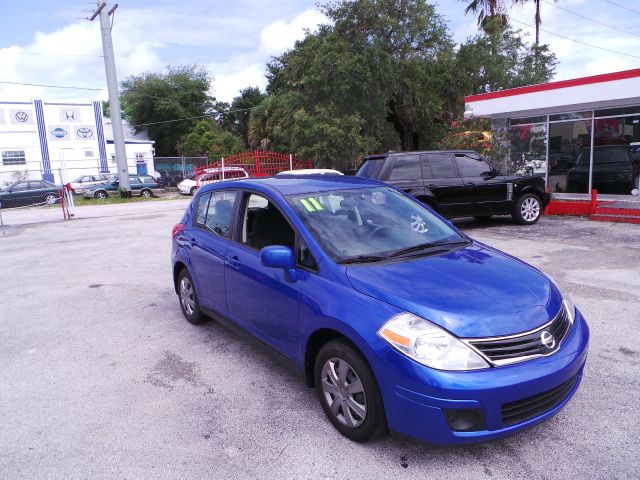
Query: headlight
[570, 308]
[428, 344]
[567, 304]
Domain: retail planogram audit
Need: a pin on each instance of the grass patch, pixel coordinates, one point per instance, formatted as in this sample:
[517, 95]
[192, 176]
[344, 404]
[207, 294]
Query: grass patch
[80, 201]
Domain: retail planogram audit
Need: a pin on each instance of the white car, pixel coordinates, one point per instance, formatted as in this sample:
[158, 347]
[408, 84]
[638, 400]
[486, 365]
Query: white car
[212, 175]
[310, 171]
[85, 181]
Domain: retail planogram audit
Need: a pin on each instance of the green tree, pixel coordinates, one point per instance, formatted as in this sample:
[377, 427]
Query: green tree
[153, 101]
[235, 117]
[502, 60]
[208, 138]
[492, 15]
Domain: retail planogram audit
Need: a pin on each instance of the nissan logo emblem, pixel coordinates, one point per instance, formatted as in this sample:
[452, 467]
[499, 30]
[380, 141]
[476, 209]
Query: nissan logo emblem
[547, 340]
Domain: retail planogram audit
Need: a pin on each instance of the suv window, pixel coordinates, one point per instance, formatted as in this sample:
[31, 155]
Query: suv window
[442, 165]
[472, 167]
[371, 168]
[406, 167]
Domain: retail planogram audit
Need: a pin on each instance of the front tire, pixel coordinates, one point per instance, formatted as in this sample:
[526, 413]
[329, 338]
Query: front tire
[100, 194]
[192, 191]
[50, 199]
[189, 299]
[348, 392]
[146, 193]
[527, 209]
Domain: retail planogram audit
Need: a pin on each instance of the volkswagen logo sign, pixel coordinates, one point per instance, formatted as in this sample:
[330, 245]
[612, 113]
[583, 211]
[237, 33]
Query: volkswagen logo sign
[84, 132]
[547, 340]
[22, 116]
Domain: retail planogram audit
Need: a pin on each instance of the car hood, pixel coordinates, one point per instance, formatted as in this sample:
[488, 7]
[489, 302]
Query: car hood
[472, 292]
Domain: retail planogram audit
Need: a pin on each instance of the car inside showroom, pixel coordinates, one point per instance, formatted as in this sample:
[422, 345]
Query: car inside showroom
[581, 134]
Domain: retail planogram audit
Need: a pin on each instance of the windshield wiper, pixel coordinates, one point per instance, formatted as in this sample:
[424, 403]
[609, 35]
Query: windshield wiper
[430, 247]
[362, 259]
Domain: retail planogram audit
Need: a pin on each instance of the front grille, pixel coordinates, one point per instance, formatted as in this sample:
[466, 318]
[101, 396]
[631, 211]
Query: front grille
[515, 348]
[521, 410]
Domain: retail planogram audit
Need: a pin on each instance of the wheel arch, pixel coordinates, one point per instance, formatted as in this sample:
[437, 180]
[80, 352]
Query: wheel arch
[177, 268]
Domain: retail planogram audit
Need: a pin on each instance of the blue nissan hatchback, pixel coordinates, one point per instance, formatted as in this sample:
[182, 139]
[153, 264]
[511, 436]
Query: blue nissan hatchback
[400, 321]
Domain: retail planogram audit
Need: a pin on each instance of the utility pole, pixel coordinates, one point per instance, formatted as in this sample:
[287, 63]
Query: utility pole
[114, 98]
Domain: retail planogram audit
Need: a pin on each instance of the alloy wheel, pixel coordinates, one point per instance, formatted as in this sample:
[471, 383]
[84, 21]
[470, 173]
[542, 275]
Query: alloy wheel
[344, 393]
[530, 209]
[187, 296]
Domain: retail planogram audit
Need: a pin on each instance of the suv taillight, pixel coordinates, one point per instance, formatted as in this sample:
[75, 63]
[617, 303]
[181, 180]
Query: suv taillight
[177, 228]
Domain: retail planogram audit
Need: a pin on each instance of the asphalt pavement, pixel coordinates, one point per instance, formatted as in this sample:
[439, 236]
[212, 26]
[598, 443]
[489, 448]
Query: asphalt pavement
[101, 376]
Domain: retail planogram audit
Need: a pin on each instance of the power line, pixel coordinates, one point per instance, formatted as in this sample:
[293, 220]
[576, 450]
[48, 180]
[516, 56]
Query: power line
[590, 19]
[210, 114]
[576, 41]
[57, 54]
[50, 86]
[623, 7]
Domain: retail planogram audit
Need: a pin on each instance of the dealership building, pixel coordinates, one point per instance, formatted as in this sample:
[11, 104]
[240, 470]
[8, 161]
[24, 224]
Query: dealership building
[580, 134]
[60, 141]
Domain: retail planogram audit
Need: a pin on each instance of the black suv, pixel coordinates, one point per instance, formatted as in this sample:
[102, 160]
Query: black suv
[459, 183]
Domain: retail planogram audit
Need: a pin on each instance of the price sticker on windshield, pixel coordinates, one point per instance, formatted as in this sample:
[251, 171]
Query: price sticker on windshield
[378, 198]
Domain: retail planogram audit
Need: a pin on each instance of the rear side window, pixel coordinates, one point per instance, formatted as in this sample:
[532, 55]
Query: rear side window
[203, 204]
[472, 167]
[371, 168]
[406, 167]
[442, 165]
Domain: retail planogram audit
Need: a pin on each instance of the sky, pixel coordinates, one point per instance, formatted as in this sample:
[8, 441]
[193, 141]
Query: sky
[53, 43]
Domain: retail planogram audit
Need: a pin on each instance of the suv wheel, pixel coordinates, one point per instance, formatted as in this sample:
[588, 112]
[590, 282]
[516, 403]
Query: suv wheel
[188, 299]
[100, 194]
[348, 392]
[527, 209]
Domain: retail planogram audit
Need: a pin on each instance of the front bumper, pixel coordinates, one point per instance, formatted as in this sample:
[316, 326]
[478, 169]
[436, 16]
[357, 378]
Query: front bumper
[416, 397]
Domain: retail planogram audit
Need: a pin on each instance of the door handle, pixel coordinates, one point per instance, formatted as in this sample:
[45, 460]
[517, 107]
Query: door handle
[233, 260]
[432, 185]
[470, 184]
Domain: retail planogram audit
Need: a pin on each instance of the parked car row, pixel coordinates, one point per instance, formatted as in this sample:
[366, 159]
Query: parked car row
[141, 185]
[31, 192]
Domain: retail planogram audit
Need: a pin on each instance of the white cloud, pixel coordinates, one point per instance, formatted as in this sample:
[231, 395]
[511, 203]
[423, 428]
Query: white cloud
[248, 70]
[281, 36]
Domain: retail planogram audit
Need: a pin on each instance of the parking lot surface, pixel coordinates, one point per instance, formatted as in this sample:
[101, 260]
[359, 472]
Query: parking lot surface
[101, 377]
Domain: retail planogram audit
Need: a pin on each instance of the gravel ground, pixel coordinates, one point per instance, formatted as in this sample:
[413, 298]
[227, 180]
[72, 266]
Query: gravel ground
[101, 377]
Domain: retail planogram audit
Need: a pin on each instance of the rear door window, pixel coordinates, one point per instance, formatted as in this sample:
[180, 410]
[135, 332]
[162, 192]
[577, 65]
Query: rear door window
[220, 213]
[406, 167]
[442, 165]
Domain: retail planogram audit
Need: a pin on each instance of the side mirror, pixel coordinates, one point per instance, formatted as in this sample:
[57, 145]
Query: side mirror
[279, 256]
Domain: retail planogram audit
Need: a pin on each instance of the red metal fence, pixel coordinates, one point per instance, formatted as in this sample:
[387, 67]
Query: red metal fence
[256, 164]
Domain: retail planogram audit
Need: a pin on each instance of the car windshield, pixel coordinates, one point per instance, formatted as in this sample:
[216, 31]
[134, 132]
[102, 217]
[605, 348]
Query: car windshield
[372, 224]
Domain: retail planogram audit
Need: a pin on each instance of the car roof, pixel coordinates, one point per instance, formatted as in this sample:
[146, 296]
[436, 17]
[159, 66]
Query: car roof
[290, 185]
[381, 156]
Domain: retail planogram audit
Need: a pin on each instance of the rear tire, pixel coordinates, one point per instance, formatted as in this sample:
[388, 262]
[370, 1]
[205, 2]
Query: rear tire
[189, 299]
[100, 194]
[146, 193]
[348, 391]
[50, 198]
[192, 191]
[527, 209]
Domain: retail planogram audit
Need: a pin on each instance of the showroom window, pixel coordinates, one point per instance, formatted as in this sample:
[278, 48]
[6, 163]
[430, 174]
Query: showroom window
[13, 157]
